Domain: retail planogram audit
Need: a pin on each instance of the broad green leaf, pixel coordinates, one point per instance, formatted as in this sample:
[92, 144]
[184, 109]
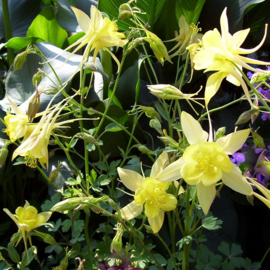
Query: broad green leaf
[191, 9]
[21, 13]
[21, 91]
[19, 43]
[46, 27]
[28, 257]
[13, 254]
[151, 8]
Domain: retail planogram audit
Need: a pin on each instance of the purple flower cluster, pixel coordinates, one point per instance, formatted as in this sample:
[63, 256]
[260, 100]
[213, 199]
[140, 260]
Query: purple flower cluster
[258, 167]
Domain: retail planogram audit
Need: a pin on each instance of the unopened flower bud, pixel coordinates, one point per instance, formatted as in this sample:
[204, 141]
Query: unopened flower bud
[116, 245]
[33, 106]
[144, 149]
[150, 112]
[54, 173]
[125, 11]
[220, 132]
[258, 140]
[87, 138]
[47, 238]
[36, 78]
[19, 60]
[4, 153]
[154, 123]
[90, 66]
[251, 114]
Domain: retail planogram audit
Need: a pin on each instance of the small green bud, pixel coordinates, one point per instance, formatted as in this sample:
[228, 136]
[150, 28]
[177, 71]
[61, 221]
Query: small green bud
[54, 173]
[36, 78]
[47, 238]
[19, 60]
[33, 106]
[3, 155]
[87, 138]
[154, 123]
[125, 11]
[116, 245]
[251, 114]
[220, 132]
[258, 140]
[144, 149]
[90, 66]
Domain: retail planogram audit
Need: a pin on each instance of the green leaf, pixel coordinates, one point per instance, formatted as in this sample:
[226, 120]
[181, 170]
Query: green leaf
[13, 254]
[207, 259]
[184, 240]
[225, 249]
[103, 180]
[19, 43]
[66, 225]
[112, 128]
[211, 223]
[48, 204]
[191, 9]
[71, 181]
[46, 27]
[28, 257]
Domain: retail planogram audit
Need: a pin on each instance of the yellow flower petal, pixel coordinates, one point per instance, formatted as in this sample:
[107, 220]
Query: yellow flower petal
[236, 181]
[83, 20]
[192, 129]
[132, 180]
[131, 211]
[190, 174]
[211, 177]
[151, 210]
[206, 196]
[158, 166]
[233, 141]
[157, 222]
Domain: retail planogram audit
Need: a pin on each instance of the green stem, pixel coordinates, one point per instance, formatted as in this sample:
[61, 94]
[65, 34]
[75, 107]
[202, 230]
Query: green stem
[171, 231]
[165, 245]
[8, 33]
[46, 177]
[184, 72]
[265, 255]
[111, 97]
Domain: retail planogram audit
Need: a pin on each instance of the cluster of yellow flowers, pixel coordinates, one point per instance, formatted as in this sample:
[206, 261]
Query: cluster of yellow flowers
[36, 136]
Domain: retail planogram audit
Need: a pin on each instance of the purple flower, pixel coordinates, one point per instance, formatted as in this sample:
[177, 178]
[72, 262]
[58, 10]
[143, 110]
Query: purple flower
[238, 158]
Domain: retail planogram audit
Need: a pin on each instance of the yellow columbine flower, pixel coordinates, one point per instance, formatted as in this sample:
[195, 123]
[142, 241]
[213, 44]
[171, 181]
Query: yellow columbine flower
[219, 51]
[151, 192]
[188, 34]
[100, 33]
[16, 125]
[35, 146]
[204, 163]
[28, 219]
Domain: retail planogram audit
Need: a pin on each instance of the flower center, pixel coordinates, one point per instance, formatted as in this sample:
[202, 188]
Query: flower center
[204, 164]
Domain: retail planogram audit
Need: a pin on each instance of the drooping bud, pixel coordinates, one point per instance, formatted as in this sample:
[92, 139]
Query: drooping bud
[125, 11]
[36, 78]
[116, 245]
[47, 238]
[3, 152]
[144, 149]
[87, 138]
[54, 173]
[33, 106]
[154, 123]
[21, 58]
